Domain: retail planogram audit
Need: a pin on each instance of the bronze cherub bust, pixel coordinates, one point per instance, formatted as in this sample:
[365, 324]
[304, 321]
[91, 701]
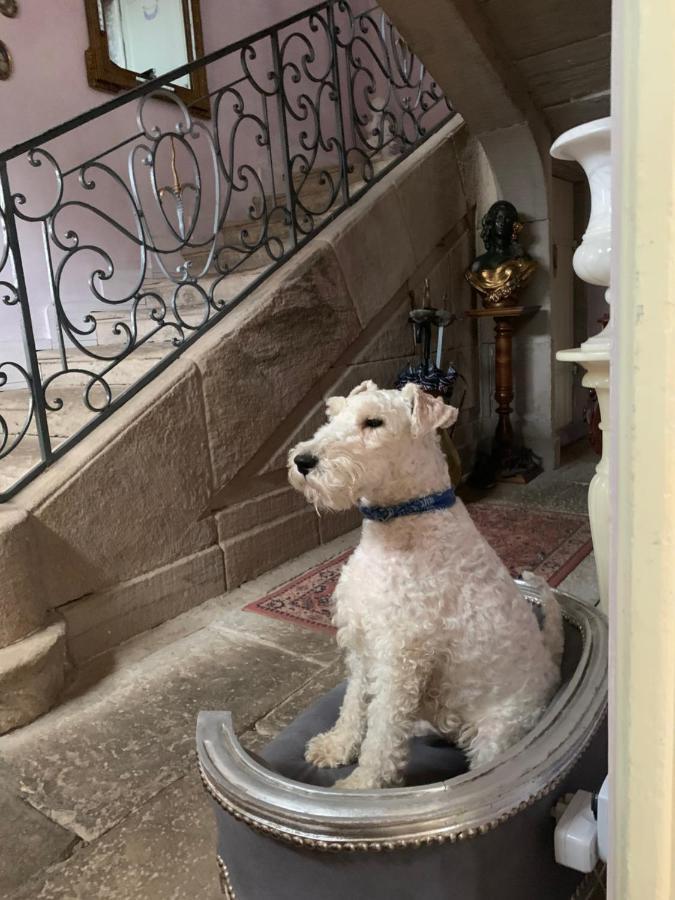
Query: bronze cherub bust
[500, 272]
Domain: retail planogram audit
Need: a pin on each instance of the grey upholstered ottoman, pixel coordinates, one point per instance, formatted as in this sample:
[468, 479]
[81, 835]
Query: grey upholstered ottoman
[450, 834]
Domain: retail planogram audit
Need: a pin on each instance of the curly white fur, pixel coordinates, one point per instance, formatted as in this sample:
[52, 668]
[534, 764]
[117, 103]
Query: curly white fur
[430, 621]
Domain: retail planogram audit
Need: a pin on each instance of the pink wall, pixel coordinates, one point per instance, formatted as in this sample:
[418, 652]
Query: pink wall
[48, 40]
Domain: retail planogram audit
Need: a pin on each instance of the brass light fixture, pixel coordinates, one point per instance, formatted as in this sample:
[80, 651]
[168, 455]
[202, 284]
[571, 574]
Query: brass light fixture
[6, 64]
[9, 8]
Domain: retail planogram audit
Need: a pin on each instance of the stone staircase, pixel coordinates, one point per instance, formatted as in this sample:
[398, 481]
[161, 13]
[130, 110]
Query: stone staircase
[73, 414]
[70, 388]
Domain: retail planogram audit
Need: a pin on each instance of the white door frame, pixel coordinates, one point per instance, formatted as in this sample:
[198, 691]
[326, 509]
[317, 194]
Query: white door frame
[642, 567]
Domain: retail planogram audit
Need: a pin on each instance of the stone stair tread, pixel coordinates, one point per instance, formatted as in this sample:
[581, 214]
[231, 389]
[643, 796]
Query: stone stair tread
[19, 461]
[77, 357]
[228, 288]
[63, 422]
[128, 370]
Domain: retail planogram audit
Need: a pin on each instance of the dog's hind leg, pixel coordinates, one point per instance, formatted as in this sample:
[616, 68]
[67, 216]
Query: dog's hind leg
[494, 734]
[341, 744]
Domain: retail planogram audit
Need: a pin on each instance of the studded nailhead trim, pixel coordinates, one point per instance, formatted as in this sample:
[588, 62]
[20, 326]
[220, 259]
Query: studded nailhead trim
[225, 882]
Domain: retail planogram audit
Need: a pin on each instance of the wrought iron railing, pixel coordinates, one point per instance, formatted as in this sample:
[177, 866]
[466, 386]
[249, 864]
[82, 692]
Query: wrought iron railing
[116, 254]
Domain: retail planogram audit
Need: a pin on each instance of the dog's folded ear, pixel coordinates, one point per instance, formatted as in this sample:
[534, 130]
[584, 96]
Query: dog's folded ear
[364, 386]
[426, 412]
[334, 405]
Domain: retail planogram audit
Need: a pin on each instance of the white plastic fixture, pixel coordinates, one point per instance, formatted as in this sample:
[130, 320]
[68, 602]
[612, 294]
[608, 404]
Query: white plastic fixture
[603, 820]
[582, 836]
[589, 145]
[576, 834]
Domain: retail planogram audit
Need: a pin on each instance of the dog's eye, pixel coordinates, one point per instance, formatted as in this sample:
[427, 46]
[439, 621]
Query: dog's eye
[373, 423]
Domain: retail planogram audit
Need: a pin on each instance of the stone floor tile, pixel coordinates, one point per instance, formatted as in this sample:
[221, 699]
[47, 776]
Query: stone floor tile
[564, 489]
[561, 497]
[164, 851]
[270, 725]
[542, 493]
[99, 674]
[89, 763]
[28, 840]
[271, 580]
[582, 582]
[582, 470]
[307, 643]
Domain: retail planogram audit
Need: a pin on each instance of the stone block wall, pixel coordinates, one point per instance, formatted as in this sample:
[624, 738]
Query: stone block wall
[182, 494]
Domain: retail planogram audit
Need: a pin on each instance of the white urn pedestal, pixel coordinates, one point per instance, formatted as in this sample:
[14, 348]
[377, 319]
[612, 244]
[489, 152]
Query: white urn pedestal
[596, 363]
[589, 145]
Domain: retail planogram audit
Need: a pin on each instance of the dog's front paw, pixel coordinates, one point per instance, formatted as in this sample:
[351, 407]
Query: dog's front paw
[328, 751]
[359, 780]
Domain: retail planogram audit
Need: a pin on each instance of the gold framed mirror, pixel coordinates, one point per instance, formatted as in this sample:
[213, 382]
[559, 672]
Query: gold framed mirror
[131, 41]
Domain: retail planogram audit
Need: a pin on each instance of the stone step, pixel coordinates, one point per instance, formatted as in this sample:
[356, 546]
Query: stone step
[313, 195]
[63, 422]
[231, 237]
[109, 333]
[69, 385]
[124, 373]
[19, 461]
[190, 303]
[311, 191]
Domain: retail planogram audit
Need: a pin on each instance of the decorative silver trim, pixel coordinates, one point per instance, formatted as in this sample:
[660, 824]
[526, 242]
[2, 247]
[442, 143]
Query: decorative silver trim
[225, 881]
[455, 810]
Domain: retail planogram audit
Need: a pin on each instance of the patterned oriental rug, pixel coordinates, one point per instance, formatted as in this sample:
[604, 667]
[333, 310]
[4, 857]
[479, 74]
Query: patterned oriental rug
[551, 544]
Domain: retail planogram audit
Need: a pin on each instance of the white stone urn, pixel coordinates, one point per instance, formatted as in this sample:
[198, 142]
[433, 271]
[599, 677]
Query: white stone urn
[589, 145]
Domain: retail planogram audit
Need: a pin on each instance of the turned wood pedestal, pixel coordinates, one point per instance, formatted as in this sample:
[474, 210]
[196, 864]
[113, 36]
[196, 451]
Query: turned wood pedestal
[506, 455]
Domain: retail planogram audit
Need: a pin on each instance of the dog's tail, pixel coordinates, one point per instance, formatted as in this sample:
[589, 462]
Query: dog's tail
[552, 629]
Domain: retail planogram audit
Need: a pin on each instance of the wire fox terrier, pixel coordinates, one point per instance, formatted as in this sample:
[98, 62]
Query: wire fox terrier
[430, 621]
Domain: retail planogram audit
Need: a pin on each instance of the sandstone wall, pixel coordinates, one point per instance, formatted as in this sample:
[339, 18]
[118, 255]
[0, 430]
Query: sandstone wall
[118, 536]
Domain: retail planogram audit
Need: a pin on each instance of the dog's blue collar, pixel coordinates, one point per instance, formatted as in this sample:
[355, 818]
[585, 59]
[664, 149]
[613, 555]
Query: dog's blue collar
[441, 500]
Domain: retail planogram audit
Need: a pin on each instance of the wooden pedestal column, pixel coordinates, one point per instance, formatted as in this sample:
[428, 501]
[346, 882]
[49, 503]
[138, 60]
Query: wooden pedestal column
[506, 455]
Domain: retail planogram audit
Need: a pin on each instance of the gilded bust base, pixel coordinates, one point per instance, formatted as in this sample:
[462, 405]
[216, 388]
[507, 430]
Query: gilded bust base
[500, 286]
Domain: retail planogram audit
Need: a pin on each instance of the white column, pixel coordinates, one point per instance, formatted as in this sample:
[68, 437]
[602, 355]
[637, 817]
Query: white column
[589, 145]
[596, 363]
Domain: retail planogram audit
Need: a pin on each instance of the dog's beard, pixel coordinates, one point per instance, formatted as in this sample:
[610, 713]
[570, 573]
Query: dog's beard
[334, 484]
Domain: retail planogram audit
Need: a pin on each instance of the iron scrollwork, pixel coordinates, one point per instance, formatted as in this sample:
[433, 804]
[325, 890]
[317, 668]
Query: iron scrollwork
[144, 244]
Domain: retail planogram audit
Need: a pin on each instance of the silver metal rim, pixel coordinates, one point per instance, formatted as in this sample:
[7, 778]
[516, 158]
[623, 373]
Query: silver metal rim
[460, 808]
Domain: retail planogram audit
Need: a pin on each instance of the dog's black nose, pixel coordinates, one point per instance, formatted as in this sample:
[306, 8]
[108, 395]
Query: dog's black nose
[305, 462]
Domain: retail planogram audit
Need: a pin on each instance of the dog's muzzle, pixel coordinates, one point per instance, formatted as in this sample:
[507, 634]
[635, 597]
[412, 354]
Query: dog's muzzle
[305, 462]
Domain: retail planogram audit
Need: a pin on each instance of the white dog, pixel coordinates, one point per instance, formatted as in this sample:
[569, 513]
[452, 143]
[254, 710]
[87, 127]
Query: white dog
[430, 620]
